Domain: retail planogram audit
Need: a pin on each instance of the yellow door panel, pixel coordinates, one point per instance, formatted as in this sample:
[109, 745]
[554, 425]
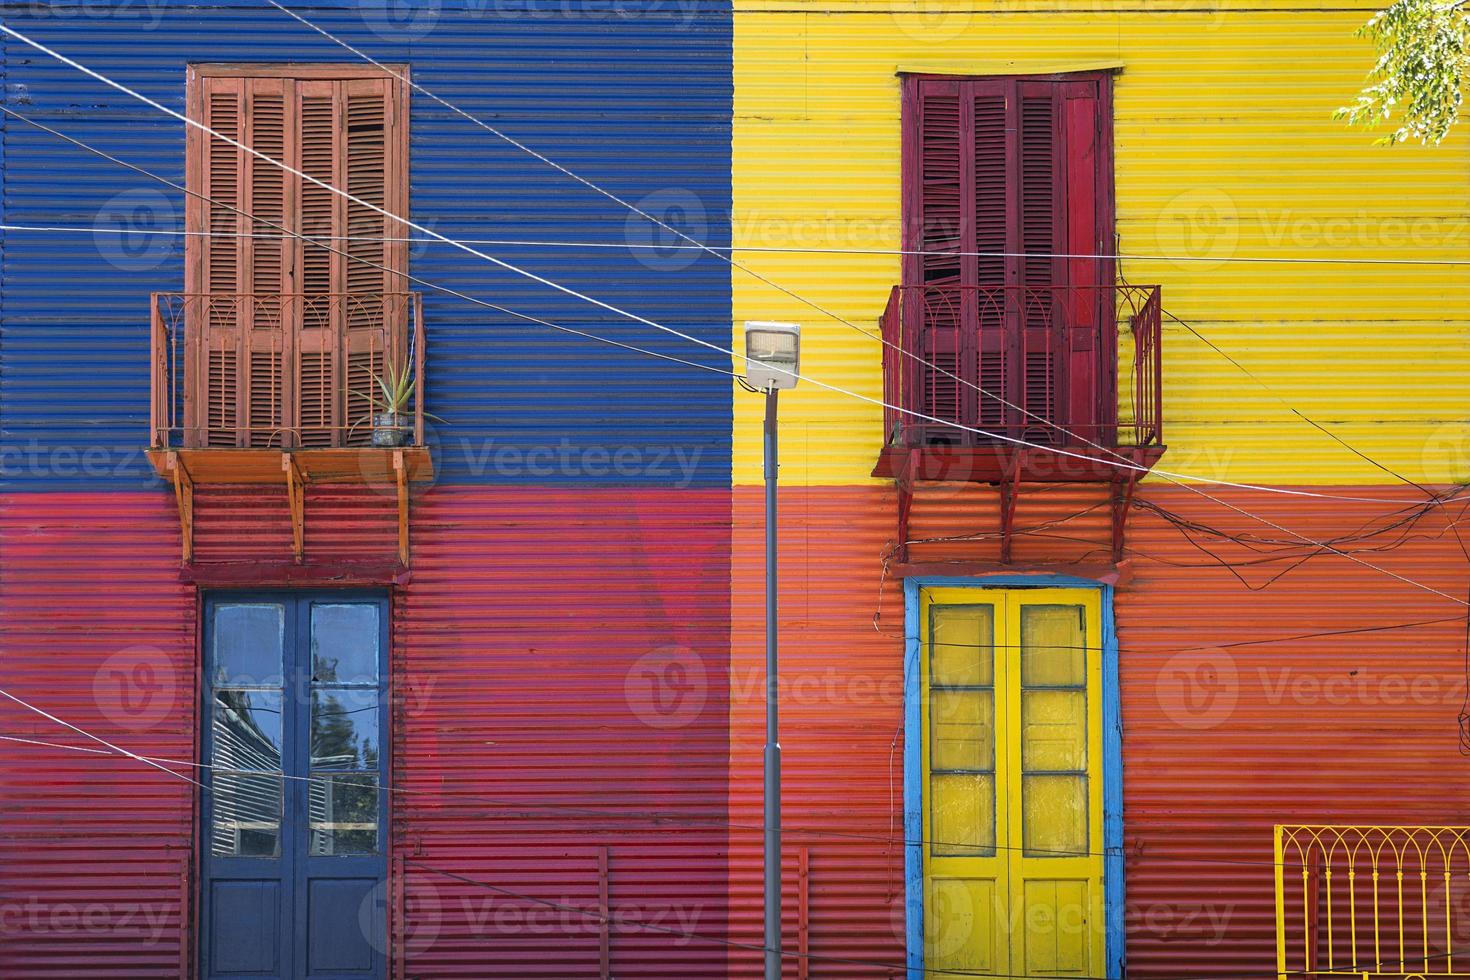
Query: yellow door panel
[1011, 688]
[1057, 931]
[963, 933]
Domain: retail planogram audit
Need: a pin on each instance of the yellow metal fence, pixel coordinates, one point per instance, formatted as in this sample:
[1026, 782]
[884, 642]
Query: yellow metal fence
[1372, 900]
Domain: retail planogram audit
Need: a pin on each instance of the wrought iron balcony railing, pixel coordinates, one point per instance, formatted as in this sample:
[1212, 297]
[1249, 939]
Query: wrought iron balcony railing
[281, 371]
[1033, 363]
[1379, 900]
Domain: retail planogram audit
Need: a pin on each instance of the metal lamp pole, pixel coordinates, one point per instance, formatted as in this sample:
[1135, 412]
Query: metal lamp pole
[772, 362]
[773, 743]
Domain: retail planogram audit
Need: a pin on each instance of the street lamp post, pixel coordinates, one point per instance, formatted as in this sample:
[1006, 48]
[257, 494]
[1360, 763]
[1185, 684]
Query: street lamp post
[773, 360]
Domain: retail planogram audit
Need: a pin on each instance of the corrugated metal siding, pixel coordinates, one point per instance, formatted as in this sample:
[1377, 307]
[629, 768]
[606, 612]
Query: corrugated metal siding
[564, 660]
[637, 99]
[98, 631]
[560, 670]
[1219, 741]
[1224, 148]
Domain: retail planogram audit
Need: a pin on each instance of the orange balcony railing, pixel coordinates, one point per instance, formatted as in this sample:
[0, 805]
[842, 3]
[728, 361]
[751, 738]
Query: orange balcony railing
[283, 371]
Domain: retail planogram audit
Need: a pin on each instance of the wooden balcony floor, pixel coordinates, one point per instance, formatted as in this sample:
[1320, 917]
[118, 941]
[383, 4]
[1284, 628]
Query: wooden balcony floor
[355, 464]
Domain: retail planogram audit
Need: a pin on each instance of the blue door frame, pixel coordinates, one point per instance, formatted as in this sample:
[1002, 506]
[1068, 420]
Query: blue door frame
[913, 818]
[297, 914]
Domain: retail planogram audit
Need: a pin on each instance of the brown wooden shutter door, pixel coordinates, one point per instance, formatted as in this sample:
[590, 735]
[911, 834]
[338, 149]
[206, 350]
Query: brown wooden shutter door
[368, 326]
[213, 328]
[283, 330]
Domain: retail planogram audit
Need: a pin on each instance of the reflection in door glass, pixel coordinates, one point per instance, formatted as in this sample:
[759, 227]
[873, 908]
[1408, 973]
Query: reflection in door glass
[344, 813]
[245, 729]
[344, 734]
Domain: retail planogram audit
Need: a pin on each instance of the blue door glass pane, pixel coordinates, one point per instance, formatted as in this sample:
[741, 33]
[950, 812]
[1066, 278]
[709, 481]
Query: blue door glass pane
[344, 643]
[344, 734]
[249, 644]
[344, 813]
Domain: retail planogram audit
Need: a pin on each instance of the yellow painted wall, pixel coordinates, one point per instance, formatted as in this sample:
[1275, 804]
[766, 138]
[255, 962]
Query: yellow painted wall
[1225, 149]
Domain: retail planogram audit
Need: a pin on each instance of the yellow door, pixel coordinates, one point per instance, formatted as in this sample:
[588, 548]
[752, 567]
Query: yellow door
[1011, 716]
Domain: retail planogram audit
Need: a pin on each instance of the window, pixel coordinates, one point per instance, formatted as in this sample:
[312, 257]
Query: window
[1012, 177]
[283, 336]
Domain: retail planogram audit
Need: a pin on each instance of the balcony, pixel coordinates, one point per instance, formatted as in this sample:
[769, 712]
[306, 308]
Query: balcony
[284, 389]
[1011, 385]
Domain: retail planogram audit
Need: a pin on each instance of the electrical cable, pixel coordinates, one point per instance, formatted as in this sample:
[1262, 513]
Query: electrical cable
[791, 249]
[651, 323]
[320, 243]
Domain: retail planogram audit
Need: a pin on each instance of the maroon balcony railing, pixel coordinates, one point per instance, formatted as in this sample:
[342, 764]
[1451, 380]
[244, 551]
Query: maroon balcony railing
[282, 371]
[1040, 364]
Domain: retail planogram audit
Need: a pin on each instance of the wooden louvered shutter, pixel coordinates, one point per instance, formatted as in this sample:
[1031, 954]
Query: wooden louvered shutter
[990, 149]
[943, 342]
[266, 321]
[213, 328]
[287, 327]
[322, 218]
[348, 325]
[1092, 380]
[368, 331]
[1013, 168]
[1037, 376]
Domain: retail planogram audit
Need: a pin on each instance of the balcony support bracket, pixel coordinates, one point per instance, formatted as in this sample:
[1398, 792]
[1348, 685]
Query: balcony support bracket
[905, 480]
[1125, 482]
[400, 474]
[296, 499]
[184, 497]
[1008, 487]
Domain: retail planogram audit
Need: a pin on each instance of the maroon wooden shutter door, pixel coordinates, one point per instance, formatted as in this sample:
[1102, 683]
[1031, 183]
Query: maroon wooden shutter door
[1011, 168]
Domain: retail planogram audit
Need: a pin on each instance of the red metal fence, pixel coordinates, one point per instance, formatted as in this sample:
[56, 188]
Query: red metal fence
[280, 370]
[989, 364]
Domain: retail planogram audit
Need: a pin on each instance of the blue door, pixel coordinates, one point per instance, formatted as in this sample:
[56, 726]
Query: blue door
[295, 727]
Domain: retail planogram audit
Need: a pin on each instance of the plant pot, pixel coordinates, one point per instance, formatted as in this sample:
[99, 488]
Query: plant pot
[390, 429]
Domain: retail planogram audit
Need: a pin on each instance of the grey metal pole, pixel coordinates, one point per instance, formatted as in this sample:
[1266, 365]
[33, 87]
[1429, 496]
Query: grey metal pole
[773, 743]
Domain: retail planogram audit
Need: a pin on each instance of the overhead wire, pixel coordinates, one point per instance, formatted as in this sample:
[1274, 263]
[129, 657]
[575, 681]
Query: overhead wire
[418, 87]
[792, 249]
[605, 917]
[352, 257]
[567, 290]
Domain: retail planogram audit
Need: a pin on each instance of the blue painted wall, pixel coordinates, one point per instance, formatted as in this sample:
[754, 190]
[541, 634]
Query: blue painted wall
[634, 95]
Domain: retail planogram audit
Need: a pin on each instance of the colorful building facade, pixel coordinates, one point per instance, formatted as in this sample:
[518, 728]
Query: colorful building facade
[1118, 499]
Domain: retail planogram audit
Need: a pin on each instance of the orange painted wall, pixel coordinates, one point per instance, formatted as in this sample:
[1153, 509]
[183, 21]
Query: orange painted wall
[1230, 724]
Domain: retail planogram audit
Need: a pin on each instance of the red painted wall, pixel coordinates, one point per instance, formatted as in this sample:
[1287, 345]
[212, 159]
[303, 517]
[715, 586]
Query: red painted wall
[563, 685]
[560, 688]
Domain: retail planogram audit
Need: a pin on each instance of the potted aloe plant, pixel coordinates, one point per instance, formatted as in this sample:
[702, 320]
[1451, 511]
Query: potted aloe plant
[389, 405]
